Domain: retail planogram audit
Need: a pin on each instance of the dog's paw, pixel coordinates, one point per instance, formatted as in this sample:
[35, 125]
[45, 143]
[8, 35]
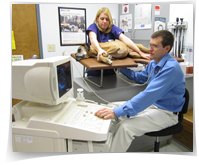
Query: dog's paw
[110, 62]
[110, 57]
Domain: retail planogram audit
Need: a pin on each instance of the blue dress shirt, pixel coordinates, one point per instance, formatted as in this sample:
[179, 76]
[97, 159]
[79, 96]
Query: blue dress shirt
[165, 89]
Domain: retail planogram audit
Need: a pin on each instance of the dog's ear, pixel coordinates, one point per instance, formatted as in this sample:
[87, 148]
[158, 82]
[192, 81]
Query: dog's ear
[87, 47]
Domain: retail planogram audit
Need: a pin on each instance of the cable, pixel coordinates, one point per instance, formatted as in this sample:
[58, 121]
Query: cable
[135, 84]
[90, 87]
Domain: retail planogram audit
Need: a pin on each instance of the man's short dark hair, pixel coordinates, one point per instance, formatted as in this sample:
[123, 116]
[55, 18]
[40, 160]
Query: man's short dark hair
[167, 37]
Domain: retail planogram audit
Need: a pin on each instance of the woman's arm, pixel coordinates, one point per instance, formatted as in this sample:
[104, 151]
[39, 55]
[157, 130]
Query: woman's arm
[95, 44]
[132, 45]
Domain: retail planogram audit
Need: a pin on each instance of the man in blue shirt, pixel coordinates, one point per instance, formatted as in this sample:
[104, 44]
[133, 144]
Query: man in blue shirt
[158, 105]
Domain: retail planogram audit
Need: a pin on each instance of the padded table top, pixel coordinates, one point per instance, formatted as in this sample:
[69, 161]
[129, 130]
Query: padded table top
[93, 64]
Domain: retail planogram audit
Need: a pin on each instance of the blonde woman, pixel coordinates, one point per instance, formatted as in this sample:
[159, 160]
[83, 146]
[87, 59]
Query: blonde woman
[103, 30]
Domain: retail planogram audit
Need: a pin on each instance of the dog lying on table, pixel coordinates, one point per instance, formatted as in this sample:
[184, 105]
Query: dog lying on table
[115, 49]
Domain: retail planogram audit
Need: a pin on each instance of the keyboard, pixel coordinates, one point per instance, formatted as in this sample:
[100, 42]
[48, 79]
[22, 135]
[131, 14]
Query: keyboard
[75, 120]
[81, 115]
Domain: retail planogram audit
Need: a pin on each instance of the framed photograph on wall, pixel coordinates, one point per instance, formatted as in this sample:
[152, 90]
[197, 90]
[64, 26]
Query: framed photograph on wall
[72, 25]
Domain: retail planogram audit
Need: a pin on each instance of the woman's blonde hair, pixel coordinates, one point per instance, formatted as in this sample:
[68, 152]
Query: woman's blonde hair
[106, 11]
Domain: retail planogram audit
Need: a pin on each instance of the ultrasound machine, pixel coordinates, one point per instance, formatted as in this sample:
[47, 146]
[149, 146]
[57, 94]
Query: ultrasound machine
[49, 119]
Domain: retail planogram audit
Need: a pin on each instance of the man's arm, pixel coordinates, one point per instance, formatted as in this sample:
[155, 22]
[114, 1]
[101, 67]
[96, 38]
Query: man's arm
[138, 77]
[155, 90]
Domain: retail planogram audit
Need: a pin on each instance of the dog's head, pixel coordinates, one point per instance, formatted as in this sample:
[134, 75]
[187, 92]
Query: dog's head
[82, 52]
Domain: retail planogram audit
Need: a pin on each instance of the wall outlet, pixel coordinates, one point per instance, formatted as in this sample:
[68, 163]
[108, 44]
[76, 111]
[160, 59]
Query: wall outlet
[51, 47]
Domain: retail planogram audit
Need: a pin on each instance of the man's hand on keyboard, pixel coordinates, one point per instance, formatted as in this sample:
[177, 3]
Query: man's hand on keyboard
[105, 113]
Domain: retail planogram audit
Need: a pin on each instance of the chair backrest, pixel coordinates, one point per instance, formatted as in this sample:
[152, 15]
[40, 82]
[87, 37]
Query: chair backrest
[185, 106]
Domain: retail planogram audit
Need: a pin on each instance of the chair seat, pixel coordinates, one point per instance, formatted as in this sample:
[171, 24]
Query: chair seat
[167, 131]
[173, 129]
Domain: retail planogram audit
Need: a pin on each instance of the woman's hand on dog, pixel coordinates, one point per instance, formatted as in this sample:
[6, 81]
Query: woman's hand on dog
[100, 53]
[145, 55]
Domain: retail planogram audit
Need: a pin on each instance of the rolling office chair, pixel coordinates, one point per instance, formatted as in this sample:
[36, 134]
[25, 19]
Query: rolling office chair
[173, 129]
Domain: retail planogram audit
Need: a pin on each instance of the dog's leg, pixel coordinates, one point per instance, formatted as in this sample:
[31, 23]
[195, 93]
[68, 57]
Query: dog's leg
[105, 55]
[145, 50]
[134, 55]
[108, 56]
[142, 48]
[111, 50]
[105, 60]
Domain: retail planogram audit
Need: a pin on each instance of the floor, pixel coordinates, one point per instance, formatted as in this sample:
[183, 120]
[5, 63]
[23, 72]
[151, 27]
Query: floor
[173, 146]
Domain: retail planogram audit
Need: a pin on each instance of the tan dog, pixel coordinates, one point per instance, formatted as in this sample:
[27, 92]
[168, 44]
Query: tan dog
[115, 49]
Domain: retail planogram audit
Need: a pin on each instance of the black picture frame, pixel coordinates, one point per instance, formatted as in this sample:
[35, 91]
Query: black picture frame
[72, 26]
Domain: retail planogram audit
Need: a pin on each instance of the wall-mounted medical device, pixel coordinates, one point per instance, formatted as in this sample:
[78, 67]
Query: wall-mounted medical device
[178, 28]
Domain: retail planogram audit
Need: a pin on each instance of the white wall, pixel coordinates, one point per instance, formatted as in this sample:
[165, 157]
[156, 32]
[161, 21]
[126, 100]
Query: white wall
[50, 27]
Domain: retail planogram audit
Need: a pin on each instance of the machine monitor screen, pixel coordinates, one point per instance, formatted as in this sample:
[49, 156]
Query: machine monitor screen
[47, 81]
[64, 78]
